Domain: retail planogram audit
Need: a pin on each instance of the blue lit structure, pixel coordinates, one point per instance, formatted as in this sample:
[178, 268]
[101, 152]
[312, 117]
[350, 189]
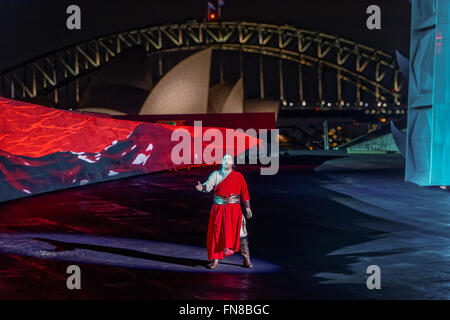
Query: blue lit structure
[428, 139]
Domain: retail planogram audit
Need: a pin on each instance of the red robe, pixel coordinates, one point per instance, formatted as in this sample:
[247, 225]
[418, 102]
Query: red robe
[225, 220]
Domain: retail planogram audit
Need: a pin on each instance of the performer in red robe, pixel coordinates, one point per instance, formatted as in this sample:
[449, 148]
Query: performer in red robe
[227, 231]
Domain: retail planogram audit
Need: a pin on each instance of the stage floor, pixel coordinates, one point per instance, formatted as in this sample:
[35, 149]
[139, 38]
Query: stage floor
[313, 235]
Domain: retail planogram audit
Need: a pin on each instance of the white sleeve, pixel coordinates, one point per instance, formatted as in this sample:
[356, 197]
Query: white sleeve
[211, 182]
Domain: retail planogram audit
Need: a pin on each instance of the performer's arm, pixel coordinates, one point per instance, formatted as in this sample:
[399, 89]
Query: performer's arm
[246, 198]
[209, 185]
[247, 209]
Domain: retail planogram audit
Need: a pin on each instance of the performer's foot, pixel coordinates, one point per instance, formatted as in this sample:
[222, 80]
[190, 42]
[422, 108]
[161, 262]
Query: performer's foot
[213, 264]
[247, 263]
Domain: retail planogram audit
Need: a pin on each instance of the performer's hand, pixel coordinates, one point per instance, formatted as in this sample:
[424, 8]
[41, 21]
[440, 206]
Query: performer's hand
[199, 186]
[249, 213]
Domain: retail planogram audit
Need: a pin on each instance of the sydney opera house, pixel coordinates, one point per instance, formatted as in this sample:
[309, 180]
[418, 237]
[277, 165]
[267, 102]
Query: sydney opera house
[125, 87]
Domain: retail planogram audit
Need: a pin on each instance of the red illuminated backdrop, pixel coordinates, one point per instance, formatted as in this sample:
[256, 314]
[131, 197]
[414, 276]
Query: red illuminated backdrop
[44, 149]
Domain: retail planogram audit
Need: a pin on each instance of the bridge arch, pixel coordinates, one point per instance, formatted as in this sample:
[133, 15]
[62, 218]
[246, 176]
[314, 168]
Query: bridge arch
[367, 69]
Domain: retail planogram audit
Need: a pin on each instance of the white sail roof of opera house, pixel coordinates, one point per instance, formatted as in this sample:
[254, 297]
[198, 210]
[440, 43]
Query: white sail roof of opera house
[122, 84]
[111, 112]
[184, 89]
[227, 98]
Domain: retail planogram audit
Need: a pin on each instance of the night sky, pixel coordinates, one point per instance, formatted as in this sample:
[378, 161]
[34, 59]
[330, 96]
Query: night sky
[32, 27]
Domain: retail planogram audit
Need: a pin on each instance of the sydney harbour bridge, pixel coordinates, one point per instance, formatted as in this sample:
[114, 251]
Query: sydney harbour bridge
[313, 69]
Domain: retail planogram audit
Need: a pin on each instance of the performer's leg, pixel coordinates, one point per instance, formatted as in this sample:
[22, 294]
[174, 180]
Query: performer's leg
[213, 264]
[245, 252]
[213, 240]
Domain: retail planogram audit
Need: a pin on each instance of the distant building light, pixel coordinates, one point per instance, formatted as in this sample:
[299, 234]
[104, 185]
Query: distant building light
[284, 103]
[291, 104]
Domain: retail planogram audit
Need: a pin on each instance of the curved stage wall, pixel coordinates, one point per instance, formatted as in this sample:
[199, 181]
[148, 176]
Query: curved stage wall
[44, 149]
